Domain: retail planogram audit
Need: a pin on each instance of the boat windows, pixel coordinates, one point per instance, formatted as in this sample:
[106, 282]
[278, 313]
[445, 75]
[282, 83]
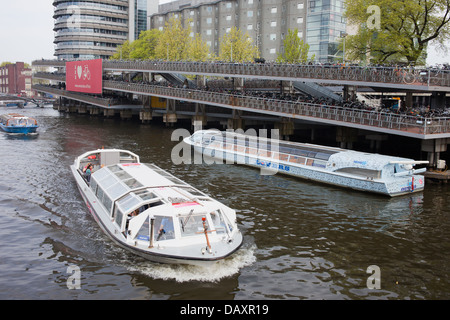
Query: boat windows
[116, 190]
[192, 225]
[221, 225]
[100, 194]
[128, 202]
[145, 195]
[107, 202]
[93, 185]
[366, 173]
[163, 228]
[118, 218]
[132, 183]
[122, 175]
[319, 163]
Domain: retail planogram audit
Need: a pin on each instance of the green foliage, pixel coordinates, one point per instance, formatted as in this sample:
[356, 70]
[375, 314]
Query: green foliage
[145, 46]
[295, 50]
[123, 51]
[405, 30]
[236, 46]
[174, 42]
[199, 50]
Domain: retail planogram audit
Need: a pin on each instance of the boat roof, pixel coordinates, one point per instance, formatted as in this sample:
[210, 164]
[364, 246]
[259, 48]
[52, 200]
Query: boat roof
[143, 182]
[14, 115]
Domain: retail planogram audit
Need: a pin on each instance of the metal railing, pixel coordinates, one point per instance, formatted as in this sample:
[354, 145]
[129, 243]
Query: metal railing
[291, 109]
[392, 121]
[337, 73]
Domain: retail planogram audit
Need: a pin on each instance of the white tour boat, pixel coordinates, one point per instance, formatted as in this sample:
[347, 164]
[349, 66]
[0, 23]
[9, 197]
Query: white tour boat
[152, 213]
[362, 171]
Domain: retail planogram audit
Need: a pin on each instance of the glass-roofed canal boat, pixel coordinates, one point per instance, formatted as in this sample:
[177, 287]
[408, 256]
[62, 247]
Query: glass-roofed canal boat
[18, 123]
[152, 213]
[369, 172]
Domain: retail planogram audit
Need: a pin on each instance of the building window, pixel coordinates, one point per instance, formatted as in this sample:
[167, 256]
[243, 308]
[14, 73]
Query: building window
[249, 14]
[208, 20]
[250, 27]
[273, 50]
[208, 32]
[273, 10]
[228, 17]
[300, 20]
[228, 5]
[273, 23]
[300, 34]
[273, 36]
[228, 30]
[192, 12]
[300, 6]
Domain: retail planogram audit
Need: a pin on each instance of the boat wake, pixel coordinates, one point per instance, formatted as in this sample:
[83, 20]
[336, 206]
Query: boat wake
[212, 273]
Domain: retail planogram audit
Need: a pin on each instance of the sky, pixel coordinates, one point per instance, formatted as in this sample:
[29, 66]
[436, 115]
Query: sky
[27, 32]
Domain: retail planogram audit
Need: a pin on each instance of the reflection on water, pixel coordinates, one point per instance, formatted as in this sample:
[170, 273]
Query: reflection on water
[302, 240]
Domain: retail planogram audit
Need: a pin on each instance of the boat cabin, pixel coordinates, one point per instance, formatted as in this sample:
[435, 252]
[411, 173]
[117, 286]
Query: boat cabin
[17, 120]
[148, 205]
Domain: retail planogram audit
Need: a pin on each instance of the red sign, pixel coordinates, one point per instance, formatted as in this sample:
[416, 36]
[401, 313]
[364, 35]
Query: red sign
[84, 76]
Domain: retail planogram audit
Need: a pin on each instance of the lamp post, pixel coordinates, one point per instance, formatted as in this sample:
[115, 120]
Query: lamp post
[343, 35]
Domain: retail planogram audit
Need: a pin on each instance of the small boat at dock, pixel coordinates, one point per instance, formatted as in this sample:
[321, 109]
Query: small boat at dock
[150, 212]
[368, 172]
[18, 123]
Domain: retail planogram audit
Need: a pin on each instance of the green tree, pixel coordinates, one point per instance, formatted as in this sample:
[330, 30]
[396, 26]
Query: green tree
[174, 41]
[399, 31]
[236, 46]
[145, 46]
[295, 50]
[122, 52]
[198, 49]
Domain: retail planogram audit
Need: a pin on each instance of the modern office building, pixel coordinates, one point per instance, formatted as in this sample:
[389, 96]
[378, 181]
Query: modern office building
[93, 29]
[15, 79]
[320, 23]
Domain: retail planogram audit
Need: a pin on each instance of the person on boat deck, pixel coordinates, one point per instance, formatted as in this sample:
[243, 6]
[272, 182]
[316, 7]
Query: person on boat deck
[88, 172]
[86, 166]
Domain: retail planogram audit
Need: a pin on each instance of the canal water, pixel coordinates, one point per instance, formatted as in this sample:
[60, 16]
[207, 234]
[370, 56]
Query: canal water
[302, 240]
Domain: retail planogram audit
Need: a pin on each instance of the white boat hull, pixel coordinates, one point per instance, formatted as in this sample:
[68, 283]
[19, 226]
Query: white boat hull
[152, 254]
[403, 186]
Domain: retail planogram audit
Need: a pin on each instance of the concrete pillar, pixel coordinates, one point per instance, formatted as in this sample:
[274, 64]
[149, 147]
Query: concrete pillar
[170, 117]
[94, 111]
[239, 84]
[145, 115]
[349, 93]
[82, 109]
[375, 141]
[437, 100]
[434, 147]
[346, 136]
[108, 113]
[236, 123]
[72, 108]
[408, 100]
[285, 128]
[126, 114]
[201, 81]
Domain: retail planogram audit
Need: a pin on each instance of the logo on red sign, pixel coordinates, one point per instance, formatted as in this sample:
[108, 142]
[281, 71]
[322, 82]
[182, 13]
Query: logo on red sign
[84, 76]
